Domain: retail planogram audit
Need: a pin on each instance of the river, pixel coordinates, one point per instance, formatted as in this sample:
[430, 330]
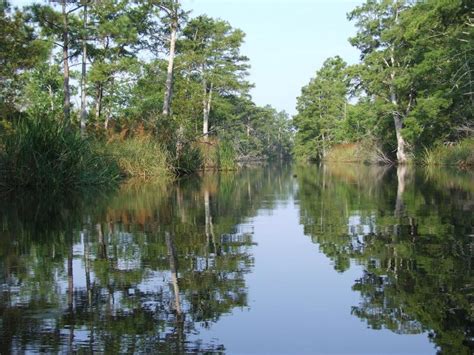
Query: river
[276, 259]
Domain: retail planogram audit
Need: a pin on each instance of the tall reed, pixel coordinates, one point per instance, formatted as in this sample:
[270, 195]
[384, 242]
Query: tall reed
[42, 153]
[460, 154]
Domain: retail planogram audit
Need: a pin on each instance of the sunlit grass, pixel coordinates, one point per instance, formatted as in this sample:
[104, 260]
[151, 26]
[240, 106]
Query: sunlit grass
[460, 154]
[138, 157]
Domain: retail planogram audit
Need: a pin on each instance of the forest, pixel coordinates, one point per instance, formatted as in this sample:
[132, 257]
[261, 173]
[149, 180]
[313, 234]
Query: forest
[410, 98]
[94, 91]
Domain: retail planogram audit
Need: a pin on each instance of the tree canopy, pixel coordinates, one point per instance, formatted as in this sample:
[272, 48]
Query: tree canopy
[412, 88]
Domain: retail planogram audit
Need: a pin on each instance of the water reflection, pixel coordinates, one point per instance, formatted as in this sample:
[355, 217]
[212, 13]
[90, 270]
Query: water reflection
[413, 235]
[141, 270]
[153, 268]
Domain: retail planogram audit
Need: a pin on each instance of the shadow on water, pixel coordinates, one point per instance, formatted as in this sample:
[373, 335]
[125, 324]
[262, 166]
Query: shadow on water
[413, 234]
[141, 269]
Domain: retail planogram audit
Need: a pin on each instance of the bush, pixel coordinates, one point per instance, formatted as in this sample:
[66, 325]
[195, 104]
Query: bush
[460, 154]
[42, 153]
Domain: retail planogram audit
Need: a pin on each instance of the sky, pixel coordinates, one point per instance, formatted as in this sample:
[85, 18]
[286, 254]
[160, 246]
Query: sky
[286, 41]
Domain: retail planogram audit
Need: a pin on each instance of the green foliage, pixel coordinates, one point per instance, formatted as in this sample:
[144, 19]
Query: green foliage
[43, 92]
[122, 45]
[40, 153]
[210, 50]
[189, 160]
[216, 154]
[460, 154]
[20, 50]
[322, 108]
[414, 81]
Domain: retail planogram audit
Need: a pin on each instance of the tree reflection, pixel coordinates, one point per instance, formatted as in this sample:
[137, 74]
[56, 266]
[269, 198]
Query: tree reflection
[141, 270]
[415, 251]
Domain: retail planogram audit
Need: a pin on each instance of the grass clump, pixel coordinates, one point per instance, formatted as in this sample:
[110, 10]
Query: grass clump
[189, 160]
[367, 153]
[226, 156]
[43, 153]
[217, 155]
[460, 154]
[140, 156]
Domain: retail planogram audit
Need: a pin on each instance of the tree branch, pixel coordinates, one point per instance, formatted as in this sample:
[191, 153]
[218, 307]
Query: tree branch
[76, 8]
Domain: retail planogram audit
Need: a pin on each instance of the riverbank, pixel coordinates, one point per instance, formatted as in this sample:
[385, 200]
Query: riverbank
[459, 154]
[42, 153]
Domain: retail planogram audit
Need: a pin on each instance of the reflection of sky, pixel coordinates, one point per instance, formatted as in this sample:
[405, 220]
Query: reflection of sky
[299, 303]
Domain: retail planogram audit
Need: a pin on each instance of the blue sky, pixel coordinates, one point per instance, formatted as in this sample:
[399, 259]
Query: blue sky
[287, 40]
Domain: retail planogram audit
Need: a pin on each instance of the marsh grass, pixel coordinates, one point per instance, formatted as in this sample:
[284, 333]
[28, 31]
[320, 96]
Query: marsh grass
[42, 153]
[217, 155]
[138, 157]
[226, 156]
[460, 155]
[367, 153]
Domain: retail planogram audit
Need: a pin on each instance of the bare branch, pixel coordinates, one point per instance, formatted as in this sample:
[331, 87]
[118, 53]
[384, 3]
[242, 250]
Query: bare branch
[76, 8]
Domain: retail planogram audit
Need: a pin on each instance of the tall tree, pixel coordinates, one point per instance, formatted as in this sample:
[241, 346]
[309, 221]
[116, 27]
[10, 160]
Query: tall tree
[61, 28]
[385, 63]
[212, 54]
[172, 11]
[83, 116]
[20, 50]
[116, 42]
[322, 107]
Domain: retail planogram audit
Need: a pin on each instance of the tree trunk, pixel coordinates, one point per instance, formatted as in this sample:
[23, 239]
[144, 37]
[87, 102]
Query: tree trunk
[83, 75]
[51, 98]
[399, 204]
[397, 116]
[209, 228]
[169, 74]
[205, 114]
[401, 153]
[401, 177]
[398, 121]
[98, 101]
[67, 95]
[206, 109]
[70, 278]
[174, 272]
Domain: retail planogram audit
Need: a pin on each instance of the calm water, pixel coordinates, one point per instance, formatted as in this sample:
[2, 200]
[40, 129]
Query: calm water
[281, 259]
